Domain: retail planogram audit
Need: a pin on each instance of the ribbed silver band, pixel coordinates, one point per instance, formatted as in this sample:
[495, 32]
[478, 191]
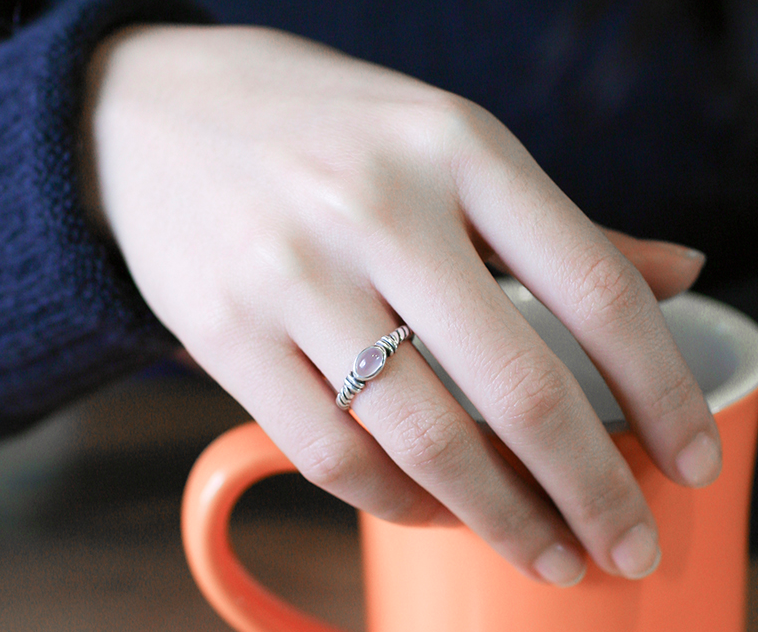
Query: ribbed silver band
[355, 382]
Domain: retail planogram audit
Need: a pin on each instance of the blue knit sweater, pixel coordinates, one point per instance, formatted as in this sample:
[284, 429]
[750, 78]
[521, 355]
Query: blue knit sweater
[655, 142]
[70, 318]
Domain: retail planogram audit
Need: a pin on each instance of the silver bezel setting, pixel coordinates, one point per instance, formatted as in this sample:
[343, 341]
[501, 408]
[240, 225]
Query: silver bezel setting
[354, 383]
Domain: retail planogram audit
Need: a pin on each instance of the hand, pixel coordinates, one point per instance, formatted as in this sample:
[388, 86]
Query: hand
[282, 206]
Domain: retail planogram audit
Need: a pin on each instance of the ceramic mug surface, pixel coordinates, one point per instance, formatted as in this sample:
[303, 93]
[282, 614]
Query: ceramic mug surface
[420, 579]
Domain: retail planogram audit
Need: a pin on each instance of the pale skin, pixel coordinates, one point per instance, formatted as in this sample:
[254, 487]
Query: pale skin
[281, 207]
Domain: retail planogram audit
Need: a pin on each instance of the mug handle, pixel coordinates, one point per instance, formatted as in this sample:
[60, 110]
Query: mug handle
[230, 465]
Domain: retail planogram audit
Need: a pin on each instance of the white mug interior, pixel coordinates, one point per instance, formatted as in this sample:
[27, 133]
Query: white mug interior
[719, 344]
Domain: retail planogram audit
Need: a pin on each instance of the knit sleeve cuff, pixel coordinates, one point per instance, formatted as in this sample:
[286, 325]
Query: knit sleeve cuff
[70, 316]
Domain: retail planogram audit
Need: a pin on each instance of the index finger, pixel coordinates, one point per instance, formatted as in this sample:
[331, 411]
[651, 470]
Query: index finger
[553, 248]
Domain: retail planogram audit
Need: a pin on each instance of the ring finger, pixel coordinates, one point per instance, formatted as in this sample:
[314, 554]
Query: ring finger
[432, 439]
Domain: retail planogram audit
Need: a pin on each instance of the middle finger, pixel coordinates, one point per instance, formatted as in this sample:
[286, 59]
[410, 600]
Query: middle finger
[526, 395]
[429, 435]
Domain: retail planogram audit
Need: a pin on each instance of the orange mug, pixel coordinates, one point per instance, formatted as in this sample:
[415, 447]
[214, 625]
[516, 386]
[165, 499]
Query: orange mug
[438, 579]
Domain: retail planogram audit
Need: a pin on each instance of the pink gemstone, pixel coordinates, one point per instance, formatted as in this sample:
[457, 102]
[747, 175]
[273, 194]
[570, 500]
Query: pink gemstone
[369, 362]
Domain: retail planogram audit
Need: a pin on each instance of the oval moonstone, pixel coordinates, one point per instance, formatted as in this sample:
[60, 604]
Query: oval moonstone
[369, 362]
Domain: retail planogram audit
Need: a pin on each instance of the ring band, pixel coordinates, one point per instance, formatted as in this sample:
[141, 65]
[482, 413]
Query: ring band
[369, 363]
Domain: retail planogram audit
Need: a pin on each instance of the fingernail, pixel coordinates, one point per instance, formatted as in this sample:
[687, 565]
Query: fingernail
[561, 565]
[682, 251]
[691, 253]
[700, 462]
[637, 553]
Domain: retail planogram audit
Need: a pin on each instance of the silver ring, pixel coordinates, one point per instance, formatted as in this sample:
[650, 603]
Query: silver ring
[369, 363]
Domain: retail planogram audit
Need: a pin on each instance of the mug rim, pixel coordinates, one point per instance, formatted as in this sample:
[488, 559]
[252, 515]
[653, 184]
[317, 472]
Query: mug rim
[741, 332]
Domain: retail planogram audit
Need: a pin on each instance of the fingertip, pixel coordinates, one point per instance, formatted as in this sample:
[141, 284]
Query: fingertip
[637, 554]
[669, 269]
[561, 565]
[699, 463]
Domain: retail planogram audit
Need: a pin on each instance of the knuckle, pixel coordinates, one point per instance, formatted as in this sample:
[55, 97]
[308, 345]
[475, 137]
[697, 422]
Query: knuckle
[611, 290]
[616, 497]
[452, 114]
[218, 323]
[428, 437]
[674, 394]
[329, 463]
[439, 109]
[533, 390]
[435, 119]
[515, 526]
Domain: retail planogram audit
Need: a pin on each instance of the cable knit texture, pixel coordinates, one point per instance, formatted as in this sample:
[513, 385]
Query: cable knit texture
[70, 318]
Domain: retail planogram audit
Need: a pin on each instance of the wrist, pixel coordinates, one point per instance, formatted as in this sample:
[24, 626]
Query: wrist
[97, 97]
